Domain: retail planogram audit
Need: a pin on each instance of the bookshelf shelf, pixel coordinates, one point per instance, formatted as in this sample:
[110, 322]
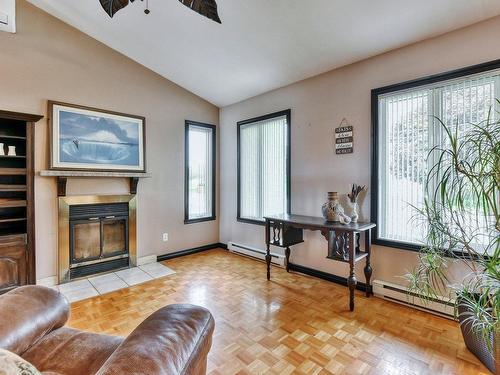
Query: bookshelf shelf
[12, 220]
[3, 136]
[12, 203]
[9, 187]
[12, 171]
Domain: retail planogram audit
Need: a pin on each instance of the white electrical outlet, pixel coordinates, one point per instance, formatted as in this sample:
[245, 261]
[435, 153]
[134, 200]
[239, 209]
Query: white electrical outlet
[165, 237]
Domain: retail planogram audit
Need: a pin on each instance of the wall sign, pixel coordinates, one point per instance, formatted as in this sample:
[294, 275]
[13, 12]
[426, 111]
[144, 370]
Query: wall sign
[344, 139]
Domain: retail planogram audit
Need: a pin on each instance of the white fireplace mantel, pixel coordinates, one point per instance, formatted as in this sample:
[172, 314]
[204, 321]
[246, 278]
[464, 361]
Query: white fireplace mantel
[62, 177]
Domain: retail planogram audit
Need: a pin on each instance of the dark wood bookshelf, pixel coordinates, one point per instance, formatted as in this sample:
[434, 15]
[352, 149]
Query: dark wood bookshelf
[17, 208]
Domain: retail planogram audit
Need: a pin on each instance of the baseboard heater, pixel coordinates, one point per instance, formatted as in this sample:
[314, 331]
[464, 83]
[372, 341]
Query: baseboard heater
[441, 306]
[277, 259]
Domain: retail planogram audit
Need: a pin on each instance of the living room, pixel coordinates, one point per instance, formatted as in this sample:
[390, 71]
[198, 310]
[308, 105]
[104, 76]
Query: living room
[201, 187]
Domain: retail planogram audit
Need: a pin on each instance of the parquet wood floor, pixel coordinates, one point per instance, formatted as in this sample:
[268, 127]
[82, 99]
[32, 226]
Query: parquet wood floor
[294, 324]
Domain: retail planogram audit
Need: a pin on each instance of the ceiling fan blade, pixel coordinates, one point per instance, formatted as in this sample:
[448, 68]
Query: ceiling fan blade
[207, 8]
[113, 6]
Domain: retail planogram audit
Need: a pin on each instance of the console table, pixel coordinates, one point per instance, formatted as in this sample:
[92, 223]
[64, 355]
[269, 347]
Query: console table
[343, 243]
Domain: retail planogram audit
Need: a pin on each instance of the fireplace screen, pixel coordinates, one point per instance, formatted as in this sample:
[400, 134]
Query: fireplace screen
[98, 234]
[86, 241]
[114, 234]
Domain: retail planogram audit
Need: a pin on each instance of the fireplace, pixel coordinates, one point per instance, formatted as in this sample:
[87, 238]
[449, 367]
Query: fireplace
[98, 238]
[96, 234]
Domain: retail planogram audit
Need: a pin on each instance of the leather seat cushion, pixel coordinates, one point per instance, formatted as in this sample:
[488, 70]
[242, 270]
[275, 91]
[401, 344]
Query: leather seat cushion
[68, 351]
[174, 340]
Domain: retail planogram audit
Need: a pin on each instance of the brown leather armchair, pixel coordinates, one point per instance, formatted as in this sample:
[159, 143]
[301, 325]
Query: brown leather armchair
[174, 340]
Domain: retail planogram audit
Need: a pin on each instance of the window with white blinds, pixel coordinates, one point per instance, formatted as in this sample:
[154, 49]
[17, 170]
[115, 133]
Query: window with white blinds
[200, 172]
[263, 167]
[407, 130]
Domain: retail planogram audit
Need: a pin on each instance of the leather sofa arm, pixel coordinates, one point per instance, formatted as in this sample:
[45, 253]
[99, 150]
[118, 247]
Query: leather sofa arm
[27, 314]
[174, 340]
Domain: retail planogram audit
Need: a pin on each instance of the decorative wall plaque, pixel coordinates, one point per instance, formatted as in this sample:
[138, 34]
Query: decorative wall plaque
[344, 139]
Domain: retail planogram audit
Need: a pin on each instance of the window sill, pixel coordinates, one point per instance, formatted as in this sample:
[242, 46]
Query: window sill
[251, 221]
[418, 248]
[199, 220]
[396, 245]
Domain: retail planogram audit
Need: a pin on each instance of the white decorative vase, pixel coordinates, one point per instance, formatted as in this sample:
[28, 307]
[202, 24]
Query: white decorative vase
[2, 151]
[354, 215]
[12, 151]
[333, 210]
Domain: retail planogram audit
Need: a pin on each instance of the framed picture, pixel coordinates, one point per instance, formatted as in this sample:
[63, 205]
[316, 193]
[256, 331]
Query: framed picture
[94, 139]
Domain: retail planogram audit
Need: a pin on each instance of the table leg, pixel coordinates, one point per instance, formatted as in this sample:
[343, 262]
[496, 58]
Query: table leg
[351, 281]
[287, 255]
[368, 267]
[268, 250]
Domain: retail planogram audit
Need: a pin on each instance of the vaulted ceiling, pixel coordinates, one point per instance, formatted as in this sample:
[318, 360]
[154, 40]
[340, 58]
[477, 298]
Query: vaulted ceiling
[262, 45]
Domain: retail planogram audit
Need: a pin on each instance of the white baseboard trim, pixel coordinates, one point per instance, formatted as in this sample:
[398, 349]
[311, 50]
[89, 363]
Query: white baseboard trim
[47, 281]
[141, 261]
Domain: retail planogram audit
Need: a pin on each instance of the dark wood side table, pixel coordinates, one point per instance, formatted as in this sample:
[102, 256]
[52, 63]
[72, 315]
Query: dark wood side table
[343, 243]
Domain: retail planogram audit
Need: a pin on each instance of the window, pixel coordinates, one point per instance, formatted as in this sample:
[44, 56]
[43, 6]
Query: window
[264, 167]
[404, 133]
[199, 202]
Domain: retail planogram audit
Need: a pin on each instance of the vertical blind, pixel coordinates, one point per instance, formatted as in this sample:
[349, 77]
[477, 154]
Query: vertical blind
[263, 168]
[408, 131]
[200, 172]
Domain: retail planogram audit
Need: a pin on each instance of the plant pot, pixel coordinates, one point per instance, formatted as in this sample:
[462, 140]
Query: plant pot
[476, 343]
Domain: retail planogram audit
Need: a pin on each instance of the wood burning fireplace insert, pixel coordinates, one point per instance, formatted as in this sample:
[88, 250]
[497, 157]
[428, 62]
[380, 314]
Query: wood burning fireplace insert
[98, 239]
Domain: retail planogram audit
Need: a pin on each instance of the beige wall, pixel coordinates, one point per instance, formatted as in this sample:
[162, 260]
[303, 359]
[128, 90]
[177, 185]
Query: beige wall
[47, 59]
[318, 105]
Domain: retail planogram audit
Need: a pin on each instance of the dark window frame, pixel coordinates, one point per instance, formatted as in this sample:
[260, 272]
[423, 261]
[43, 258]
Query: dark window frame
[453, 74]
[288, 114]
[213, 128]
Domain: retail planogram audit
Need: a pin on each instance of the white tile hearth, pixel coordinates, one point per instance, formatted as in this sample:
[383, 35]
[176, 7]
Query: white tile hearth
[107, 283]
[133, 276]
[97, 285]
[74, 286]
[157, 270]
[78, 290]
[78, 295]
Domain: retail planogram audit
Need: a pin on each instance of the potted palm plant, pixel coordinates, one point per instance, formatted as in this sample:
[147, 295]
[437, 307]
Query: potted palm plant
[461, 214]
